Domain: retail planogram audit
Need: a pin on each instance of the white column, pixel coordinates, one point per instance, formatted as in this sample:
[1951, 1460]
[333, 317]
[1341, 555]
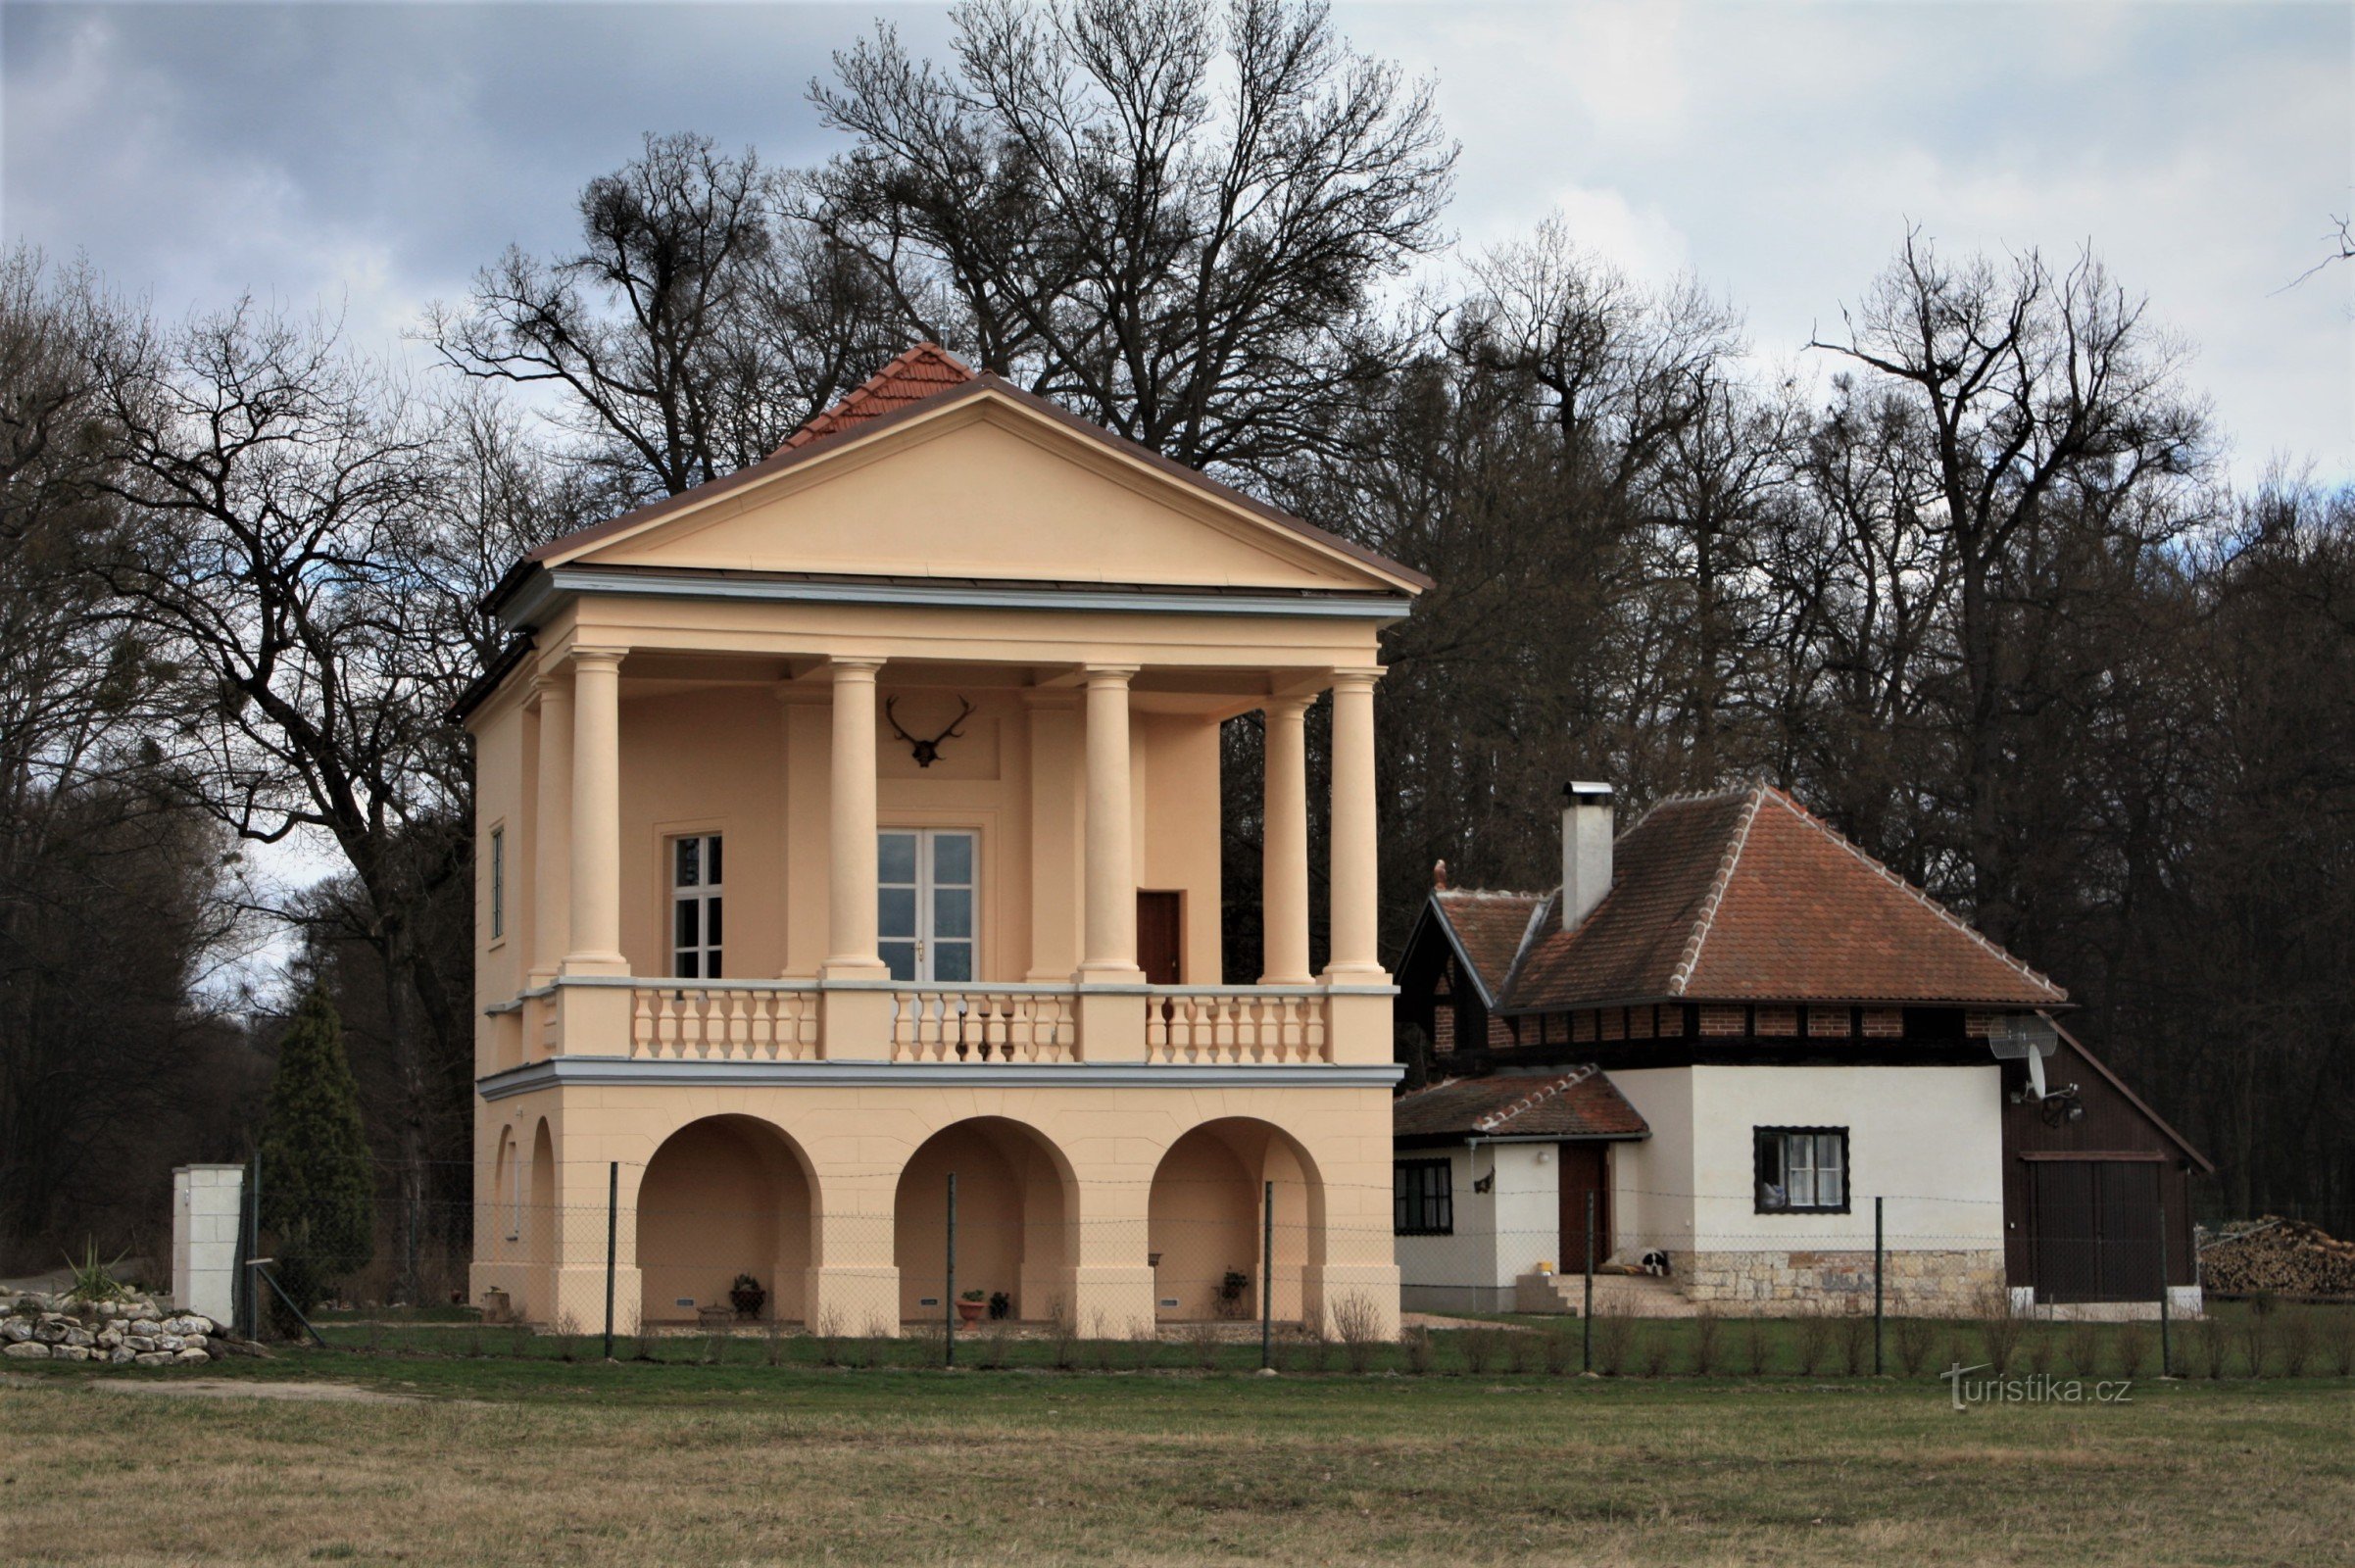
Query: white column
[551, 834]
[1109, 949]
[1354, 862]
[596, 828]
[1283, 846]
[851, 878]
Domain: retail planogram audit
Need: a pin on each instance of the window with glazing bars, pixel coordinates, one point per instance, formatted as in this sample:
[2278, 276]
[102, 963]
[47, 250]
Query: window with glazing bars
[695, 907]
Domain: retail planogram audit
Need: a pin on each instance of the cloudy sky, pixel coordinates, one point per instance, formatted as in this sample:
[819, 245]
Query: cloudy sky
[370, 157]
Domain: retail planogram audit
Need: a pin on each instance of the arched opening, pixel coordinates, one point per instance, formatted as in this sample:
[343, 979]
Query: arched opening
[539, 1225]
[1016, 1200]
[1206, 1218]
[723, 1196]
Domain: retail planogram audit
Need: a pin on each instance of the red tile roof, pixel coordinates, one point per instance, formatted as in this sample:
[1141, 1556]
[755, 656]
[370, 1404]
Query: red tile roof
[1488, 928]
[1579, 1104]
[1743, 896]
[910, 377]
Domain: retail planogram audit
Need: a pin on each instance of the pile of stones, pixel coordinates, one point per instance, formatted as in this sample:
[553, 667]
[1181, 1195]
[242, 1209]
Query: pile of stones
[127, 1330]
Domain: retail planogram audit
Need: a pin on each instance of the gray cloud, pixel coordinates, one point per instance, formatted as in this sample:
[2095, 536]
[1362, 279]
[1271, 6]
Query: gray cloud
[370, 156]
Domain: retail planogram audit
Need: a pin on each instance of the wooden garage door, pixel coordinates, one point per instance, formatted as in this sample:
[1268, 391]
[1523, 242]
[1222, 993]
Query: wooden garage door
[2097, 1230]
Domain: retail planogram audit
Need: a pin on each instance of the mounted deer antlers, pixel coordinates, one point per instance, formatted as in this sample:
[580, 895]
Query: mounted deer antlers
[928, 752]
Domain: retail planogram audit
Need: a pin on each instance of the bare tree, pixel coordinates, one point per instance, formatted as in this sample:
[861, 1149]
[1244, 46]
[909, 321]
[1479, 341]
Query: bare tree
[690, 333]
[1172, 219]
[286, 559]
[2040, 389]
[109, 880]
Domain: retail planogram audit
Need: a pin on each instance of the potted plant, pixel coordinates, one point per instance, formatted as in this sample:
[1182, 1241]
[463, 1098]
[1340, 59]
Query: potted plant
[1001, 1306]
[747, 1296]
[971, 1304]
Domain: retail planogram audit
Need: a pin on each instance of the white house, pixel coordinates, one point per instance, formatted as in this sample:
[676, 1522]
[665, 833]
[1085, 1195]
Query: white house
[1755, 1045]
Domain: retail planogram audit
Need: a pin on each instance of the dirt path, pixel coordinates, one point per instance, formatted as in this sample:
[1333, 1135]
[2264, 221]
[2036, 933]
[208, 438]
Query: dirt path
[224, 1388]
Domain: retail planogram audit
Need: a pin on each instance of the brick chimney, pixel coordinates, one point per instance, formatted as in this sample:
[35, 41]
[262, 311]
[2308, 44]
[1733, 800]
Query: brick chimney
[1585, 849]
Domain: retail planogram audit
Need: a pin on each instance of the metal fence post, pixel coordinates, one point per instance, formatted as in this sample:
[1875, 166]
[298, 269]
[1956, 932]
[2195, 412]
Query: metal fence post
[2166, 1325]
[253, 1250]
[1586, 1318]
[612, 1227]
[949, 1295]
[1880, 1262]
[1267, 1280]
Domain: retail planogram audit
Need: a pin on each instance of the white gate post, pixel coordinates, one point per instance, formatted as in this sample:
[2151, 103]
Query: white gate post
[207, 1206]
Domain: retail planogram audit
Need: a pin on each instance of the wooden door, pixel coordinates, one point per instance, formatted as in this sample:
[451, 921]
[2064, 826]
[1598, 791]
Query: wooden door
[1586, 1168]
[1160, 939]
[2127, 1198]
[2066, 1234]
[2097, 1230]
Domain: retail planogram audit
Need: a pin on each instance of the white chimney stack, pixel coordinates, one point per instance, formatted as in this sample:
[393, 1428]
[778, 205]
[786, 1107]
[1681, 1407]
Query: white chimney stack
[1585, 849]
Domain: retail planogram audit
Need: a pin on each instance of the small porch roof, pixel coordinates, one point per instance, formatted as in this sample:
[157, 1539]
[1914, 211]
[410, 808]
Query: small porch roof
[1580, 1104]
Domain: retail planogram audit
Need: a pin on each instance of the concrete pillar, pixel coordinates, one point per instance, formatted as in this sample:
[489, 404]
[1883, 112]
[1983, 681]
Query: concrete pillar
[1356, 956]
[1283, 849]
[595, 946]
[1109, 951]
[552, 847]
[851, 877]
[852, 1282]
[855, 1020]
[206, 1208]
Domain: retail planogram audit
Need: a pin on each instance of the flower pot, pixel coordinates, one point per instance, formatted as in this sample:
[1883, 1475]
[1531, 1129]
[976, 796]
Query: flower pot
[748, 1303]
[970, 1311]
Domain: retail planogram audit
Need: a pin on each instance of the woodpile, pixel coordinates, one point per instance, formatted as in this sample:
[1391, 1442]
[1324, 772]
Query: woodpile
[2284, 1256]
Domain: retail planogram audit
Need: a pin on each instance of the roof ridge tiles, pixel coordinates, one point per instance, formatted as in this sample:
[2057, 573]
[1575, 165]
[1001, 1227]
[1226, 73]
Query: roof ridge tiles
[1547, 1090]
[1698, 937]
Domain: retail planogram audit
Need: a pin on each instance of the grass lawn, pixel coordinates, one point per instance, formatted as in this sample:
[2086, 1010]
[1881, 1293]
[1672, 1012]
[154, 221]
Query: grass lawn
[510, 1459]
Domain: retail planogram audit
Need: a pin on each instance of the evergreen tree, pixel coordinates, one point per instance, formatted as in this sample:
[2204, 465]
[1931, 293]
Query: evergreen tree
[317, 1186]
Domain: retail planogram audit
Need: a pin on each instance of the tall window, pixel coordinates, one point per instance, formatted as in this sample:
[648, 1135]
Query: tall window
[1802, 1170]
[925, 884]
[498, 883]
[1422, 1197]
[695, 889]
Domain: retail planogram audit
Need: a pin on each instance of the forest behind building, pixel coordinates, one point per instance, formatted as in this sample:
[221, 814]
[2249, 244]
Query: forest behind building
[1970, 575]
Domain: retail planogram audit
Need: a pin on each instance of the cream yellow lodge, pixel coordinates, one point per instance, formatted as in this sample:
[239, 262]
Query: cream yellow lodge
[855, 819]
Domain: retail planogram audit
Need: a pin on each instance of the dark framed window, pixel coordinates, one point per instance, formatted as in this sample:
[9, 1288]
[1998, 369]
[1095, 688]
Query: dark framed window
[1802, 1170]
[1422, 1197]
[695, 907]
[498, 883]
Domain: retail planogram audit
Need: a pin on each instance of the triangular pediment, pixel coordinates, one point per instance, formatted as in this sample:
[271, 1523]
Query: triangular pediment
[981, 484]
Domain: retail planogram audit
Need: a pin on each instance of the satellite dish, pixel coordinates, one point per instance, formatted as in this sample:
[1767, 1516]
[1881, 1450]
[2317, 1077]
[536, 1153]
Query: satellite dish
[2025, 1037]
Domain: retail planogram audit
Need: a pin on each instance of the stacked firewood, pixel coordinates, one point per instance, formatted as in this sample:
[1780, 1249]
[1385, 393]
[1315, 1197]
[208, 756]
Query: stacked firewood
[2286, 1257]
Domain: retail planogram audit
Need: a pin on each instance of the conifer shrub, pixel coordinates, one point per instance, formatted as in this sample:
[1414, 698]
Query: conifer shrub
[319, 1184]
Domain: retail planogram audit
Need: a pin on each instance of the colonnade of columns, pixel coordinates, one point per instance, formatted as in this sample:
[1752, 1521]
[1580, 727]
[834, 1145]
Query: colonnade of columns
[577, 867]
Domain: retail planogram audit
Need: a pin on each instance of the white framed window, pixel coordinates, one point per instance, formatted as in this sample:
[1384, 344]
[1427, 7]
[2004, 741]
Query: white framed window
[498, 883]
[927, 891]
[1802, 1170]
[696, 877]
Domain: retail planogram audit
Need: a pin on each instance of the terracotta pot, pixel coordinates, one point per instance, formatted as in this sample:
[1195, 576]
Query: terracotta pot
[970, 1311]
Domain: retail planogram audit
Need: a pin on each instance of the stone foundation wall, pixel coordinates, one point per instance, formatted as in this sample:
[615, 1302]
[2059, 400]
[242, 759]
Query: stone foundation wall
[1941, 1283]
